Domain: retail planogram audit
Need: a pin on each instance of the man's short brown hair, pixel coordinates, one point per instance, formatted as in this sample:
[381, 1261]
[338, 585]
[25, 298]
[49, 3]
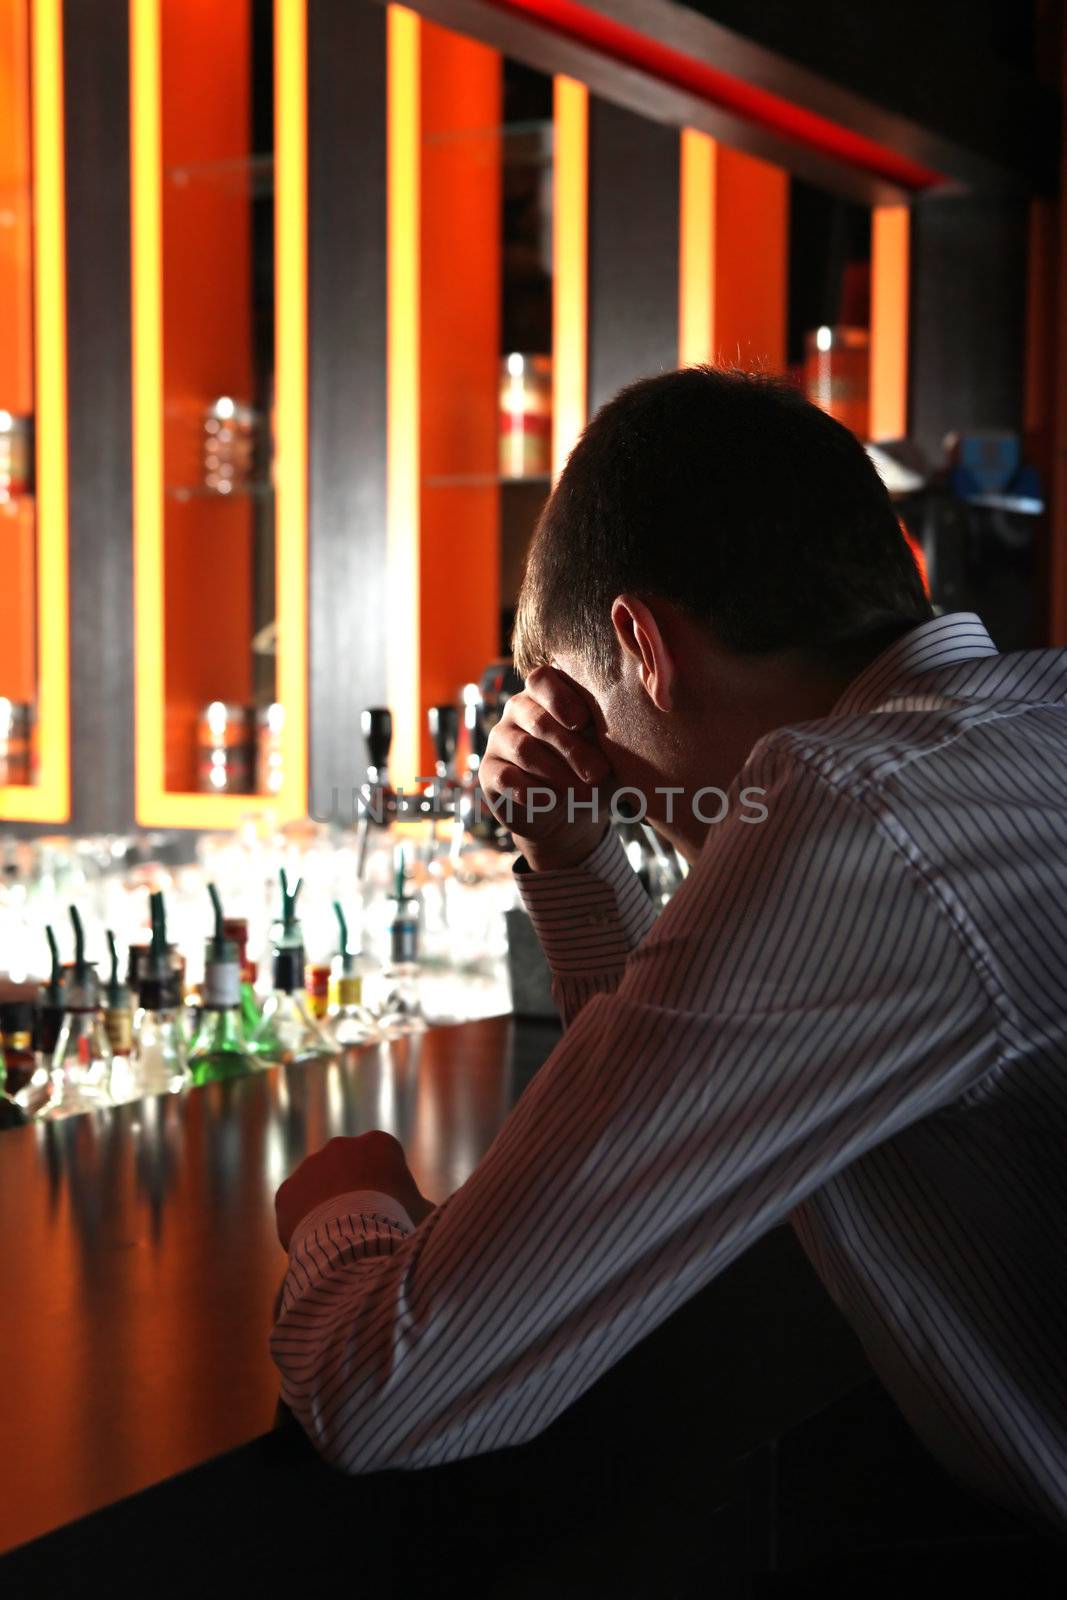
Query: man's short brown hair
[734, 498]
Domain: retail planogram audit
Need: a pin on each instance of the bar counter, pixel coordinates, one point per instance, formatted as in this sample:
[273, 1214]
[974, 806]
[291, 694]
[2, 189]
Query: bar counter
[140, 1260]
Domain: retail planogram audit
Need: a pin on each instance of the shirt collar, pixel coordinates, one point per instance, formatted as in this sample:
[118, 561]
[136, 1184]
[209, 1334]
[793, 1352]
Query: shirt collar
[944, 642]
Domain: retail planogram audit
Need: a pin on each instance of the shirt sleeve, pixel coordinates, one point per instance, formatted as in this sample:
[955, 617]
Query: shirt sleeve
[746, 1057]
[588, 918]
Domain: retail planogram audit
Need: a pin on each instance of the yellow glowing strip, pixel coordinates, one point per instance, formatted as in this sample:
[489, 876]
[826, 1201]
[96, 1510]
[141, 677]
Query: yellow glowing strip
[890, 242]
[696, 254]
[155, 804]
[570, 226]
[290, 311]
[48, 800]
[146, 179]
[402, 403]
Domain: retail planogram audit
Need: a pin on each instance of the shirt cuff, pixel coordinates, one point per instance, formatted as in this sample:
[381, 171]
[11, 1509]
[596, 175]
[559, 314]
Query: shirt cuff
[356, 1203]
[589, 917]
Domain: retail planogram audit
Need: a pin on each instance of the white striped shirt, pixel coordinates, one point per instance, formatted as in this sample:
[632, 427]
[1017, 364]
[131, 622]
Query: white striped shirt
[852, 1015]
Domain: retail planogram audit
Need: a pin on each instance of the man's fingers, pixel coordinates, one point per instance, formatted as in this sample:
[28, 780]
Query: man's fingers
[531, 756]
[558, 696]
[581, 755]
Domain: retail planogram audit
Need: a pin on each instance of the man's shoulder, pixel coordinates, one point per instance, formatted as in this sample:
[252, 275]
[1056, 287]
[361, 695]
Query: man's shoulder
[910, 732]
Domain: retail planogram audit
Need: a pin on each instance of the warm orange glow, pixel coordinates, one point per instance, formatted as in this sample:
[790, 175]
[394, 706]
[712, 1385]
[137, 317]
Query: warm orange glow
[403, 399]
[49, 799]
[920, 560]
[460, 184]
[890, 241]
[147, 332]
[733, 257]
[696, 253]
[291, 428]
[570, 226]
[156, 805]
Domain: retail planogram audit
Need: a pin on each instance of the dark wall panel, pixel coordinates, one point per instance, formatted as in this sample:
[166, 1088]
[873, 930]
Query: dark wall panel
[968, 288]
[633, 248]
[96, 69]
[347, 392]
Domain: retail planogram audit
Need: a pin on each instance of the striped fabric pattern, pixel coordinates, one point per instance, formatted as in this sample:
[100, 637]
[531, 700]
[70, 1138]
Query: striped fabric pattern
[852, 1015]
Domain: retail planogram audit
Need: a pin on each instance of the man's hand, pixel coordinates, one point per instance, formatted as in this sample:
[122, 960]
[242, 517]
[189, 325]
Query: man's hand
[539, 745]
[368, 1161]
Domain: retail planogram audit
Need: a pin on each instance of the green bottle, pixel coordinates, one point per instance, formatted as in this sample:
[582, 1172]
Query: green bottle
[220, 1049]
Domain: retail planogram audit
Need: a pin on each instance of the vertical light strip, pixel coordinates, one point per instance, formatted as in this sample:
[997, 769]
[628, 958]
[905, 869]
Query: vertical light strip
[291, 449]
[404, 37]
[570, 251]
[146, 179]
[48, 800]
[696, 249]
[890, 241]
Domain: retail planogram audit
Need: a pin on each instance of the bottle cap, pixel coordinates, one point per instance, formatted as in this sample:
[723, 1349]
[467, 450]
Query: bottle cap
[236, 928]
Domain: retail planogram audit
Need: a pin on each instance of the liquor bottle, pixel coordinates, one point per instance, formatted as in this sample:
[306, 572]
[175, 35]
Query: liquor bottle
[401, 1010]
[220, 1049]
[11, 1113]
[81, 1067]
[287, 1030]
[350, 1023]
[118, 1024]
[142, 951]
[158, 1062]
[317, 989]
[47, 1021]
[16, 1046]
[236, 928]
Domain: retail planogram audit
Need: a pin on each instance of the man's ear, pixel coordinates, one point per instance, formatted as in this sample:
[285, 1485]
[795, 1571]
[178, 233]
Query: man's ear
[641, 640]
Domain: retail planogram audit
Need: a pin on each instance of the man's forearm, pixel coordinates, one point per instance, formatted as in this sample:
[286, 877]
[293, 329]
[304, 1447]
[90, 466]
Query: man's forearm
[589, 918]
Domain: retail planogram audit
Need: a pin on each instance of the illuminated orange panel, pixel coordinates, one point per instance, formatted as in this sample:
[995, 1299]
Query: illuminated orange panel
[18, 539]
[733, 251]
[403, 163]
[192, 342]
[890, 242]
[459, 318]
[570, 271]
[205, 52]
[45, 337]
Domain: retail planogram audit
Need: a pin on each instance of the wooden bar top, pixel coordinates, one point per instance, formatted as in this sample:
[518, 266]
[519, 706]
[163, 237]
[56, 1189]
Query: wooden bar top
[139, 1261]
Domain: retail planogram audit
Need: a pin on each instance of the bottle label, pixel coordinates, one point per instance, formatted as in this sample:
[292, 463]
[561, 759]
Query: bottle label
[349, 992]
[221, 988]
[119, 1026]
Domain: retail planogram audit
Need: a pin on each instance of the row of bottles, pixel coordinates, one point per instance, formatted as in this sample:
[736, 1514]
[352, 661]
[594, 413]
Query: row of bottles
[85, 1044]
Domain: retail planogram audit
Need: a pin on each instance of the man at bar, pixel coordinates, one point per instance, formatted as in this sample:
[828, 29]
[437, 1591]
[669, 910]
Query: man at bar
[852, 1015]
